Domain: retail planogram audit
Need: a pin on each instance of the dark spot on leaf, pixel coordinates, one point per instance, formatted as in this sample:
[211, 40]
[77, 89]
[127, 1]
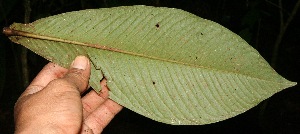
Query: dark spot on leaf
[17, 38]
[157, 25]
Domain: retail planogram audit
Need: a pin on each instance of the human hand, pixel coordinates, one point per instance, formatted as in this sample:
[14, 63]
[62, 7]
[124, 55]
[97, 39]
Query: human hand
[52, 103]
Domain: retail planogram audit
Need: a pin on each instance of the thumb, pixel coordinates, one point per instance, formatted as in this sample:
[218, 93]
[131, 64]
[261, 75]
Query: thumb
[79, 73]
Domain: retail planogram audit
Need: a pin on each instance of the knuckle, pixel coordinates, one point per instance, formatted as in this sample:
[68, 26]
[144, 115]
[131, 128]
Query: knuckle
[77, 77]
[86, 107]
[61, 83]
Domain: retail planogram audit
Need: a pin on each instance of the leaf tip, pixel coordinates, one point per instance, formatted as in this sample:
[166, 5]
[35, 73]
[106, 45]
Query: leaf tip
[289, 84]
[293, 84]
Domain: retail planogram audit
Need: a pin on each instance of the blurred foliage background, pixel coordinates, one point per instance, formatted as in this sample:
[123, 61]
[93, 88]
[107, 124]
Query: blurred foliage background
[270, 26]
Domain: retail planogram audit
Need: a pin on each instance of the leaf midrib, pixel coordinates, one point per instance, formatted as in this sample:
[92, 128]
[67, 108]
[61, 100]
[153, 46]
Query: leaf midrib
[12, 32]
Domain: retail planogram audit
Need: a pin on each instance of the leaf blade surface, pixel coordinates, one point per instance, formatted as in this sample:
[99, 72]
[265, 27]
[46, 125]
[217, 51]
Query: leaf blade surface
[166, 64]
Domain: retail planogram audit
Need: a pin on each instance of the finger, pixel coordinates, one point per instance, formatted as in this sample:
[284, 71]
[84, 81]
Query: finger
[92, 100]
[101, 116]
[50, 72]
[79, 73]
[86, 130]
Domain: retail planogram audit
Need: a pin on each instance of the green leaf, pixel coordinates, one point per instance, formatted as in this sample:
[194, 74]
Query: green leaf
[164, 63]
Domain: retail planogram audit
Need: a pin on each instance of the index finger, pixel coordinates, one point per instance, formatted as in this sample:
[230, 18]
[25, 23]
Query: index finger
[50, 72]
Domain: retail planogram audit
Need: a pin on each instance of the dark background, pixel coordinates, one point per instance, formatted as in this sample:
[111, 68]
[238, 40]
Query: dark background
[257, 21]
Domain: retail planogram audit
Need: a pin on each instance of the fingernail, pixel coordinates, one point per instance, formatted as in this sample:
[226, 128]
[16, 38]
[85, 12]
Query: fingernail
[80, 62]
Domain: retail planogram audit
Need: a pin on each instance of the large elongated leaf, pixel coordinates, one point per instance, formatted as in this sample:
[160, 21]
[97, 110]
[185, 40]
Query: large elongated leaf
[166, 64]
